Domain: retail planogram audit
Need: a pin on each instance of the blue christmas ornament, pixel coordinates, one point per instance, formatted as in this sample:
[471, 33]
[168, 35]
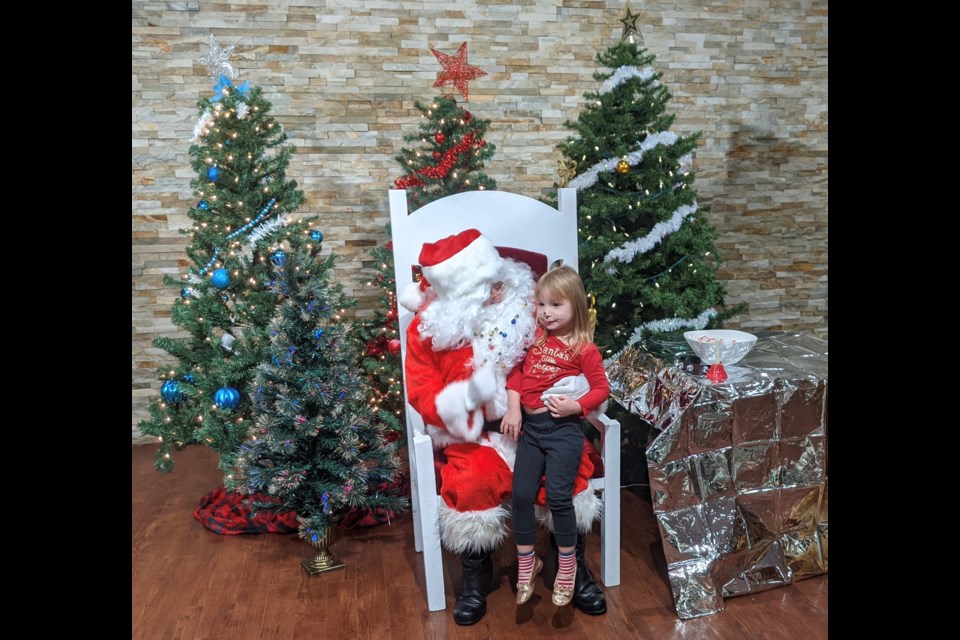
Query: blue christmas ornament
[213, 173]
[203, 204]
[188, 377]
[220, 279]
[318, 333]
[278, 258]
[316, 236]
[226, 398]
[186, 292]
[170, 391]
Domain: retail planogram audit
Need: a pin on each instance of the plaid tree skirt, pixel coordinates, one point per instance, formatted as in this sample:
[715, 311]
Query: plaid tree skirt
[232, 513]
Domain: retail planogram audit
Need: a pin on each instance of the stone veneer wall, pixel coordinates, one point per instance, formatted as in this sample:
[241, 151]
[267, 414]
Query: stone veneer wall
[751, 75]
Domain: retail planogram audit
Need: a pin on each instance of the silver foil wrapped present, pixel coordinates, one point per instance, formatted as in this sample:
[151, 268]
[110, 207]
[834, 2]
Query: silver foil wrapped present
[738, 470]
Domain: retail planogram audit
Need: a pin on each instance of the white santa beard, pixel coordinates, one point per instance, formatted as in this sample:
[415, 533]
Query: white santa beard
[504, 332]
[452, 324]
[448, 321]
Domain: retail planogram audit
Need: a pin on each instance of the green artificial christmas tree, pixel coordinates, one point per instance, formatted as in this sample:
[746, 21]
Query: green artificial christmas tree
[318, 447]
[451, 155]
[647, 251]
[380, 339]
[240, 223]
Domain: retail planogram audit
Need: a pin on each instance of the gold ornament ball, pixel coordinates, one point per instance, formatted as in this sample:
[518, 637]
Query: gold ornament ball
[623, 166]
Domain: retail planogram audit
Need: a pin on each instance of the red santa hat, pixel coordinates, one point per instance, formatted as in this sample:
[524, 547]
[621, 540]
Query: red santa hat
[455, 265]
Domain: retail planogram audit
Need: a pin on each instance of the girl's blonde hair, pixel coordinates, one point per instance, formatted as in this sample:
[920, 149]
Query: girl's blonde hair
[564, 282]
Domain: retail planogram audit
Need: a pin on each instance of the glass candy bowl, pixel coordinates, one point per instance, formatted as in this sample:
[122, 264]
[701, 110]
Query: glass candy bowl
[720, 347]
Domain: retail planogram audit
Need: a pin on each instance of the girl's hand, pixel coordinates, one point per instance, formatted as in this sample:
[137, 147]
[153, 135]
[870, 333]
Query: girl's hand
[510, 425]
[560, 406]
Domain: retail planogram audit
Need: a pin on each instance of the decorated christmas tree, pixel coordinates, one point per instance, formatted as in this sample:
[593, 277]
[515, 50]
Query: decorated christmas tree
[647, 251]
[240, 226]
[318, 447]
[449, 159]
[379, 335]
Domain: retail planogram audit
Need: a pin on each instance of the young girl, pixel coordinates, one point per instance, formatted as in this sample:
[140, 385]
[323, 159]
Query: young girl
[551, 438]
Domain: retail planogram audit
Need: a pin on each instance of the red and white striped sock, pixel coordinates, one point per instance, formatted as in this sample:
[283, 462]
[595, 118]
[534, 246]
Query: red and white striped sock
[524, 566]
[567, 569]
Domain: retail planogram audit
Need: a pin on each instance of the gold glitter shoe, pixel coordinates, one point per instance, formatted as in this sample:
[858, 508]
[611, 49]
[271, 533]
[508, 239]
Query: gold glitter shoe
[525, 589]
[563, 595]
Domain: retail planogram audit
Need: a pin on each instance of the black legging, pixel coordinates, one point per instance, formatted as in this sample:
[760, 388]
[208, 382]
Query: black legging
[553, 446]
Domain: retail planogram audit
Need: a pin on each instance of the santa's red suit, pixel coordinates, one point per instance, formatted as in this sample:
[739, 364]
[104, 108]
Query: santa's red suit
[460, 348]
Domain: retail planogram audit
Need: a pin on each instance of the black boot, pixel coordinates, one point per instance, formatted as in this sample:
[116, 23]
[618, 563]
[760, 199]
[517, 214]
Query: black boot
[471, 602]
[587, 595]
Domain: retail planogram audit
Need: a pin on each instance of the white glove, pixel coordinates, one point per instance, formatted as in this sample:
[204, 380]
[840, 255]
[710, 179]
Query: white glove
[460, 421]
[482, 387]
[574, 387]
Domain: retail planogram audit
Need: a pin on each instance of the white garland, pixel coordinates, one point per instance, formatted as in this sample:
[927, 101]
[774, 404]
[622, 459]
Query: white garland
[623, 74]
[630, 250]
[265, 229]
[671, 324]
[201, 126]
[261, 232]
[589, 177]
[242, 109]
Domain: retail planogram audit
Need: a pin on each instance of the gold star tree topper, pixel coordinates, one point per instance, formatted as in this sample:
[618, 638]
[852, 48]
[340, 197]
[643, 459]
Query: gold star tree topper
[630, 25]
[456, 71]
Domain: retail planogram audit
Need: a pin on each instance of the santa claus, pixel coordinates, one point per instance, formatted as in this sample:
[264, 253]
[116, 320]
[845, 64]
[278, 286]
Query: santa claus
[475, 319]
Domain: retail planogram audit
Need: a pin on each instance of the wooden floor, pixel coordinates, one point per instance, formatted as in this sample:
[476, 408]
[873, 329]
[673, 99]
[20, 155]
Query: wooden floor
[191, 584]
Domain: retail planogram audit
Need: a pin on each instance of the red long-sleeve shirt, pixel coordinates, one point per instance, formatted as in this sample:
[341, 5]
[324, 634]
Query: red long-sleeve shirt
[543, 367]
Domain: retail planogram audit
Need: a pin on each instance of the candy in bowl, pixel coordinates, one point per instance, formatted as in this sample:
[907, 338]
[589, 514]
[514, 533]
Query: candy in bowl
[720, 347]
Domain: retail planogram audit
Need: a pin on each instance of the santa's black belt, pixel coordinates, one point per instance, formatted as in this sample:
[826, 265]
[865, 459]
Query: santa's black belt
[492, 425]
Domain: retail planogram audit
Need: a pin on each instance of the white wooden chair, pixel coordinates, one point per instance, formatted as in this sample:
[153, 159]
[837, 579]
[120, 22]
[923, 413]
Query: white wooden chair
[507, 220]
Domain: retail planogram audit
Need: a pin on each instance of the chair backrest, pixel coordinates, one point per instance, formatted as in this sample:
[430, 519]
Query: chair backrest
[508, 220]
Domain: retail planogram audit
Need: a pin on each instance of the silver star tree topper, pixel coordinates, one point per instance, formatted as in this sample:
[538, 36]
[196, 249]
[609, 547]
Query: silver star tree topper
[216, 60]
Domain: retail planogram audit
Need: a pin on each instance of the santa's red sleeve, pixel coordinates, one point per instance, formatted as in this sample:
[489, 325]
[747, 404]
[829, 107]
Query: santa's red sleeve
[437, 385]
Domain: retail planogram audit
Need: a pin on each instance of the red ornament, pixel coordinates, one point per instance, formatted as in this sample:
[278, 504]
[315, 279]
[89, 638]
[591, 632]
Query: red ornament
[480, 143]
[389, 245]
[391, 314]
[456, 71]
[467, 117]
[440, 138]
[393, 346]
[373, 349]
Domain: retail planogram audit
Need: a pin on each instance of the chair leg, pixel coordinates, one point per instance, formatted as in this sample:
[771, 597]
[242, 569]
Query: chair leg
[430, 524]
[610, 520]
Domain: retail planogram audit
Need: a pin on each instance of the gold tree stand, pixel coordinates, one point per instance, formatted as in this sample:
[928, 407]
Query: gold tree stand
[323, 561]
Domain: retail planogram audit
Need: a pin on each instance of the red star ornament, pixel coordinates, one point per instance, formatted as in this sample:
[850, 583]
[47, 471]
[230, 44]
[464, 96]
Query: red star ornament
[456, 70]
